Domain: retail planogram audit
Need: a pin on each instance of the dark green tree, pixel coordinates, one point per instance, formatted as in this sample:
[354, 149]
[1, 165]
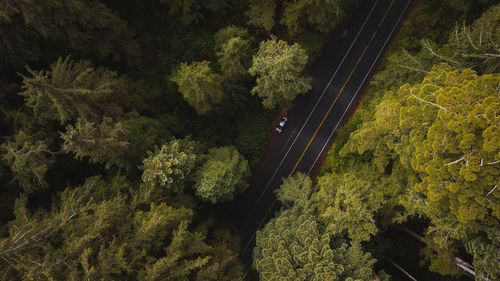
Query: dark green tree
[322, 14]
[68, 90]
[261, 13]
[28, 160]
[88, 26]
[222, 175]
[233, 51]
[105, 142]
[93, 232]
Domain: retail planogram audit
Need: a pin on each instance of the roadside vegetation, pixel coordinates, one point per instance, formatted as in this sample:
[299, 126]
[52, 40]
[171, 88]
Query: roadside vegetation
[420, 157]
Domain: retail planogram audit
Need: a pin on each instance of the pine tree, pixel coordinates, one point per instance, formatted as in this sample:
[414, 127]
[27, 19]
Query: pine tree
[233, 52]
[28, 160]
[93, 232]
[323, 15]
[200, 87]
[261, 13]
[188, 10]
[280, 71]
[68, 90]
[83, 25]
[169, 166]
[292, 247]
[105, 142]
[222, 175]
[347, 204]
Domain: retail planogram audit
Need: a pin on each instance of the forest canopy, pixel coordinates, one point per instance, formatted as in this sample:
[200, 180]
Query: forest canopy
[129, 127]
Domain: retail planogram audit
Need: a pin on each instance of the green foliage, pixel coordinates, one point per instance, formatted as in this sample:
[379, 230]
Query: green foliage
[222, 175]
[189, 10]
[296, 191]
[83, 25]
[261, 13]
[200, 87]
[292, 247]
[280, 71]
[233, 51]
[347, 204]
[453, 151]
[88, 234]
[486, 256]
[323, 15]
[169, 166]
[68, 90]
[28, 160]
[105, 142]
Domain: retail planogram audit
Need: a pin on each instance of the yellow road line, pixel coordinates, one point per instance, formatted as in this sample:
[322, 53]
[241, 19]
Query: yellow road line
[322, 121]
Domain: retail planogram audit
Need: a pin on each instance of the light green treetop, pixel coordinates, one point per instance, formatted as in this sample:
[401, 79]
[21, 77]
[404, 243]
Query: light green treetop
[347, 205]
[169, 166]
[200, 87]
[280, 71]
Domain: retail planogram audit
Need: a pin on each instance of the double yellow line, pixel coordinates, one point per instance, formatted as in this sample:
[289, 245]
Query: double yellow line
[323, 120]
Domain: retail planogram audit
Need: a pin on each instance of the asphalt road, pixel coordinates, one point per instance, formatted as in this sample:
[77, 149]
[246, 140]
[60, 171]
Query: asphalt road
[339, 76]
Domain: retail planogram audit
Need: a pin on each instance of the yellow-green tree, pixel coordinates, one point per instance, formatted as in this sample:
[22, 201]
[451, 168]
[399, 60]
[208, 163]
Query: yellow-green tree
[292, 246]
[169, 166]
[347, 205]
[200, 87]
[222, 175]
[280, 71]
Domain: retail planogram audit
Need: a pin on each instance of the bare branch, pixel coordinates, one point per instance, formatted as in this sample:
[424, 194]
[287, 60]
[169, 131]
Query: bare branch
[454, 162]
[428, 102]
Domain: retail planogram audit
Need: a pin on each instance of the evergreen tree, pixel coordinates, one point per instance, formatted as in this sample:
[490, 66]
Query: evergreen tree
[28, 160]
[292, 247]
[188, 10]
[233, 51]
[347, 204]
[222, 175]
[83, 25]
[200, 87]
[261, 13]
[169, 166]
[105, 142]
[68, 90]
[323, 15]
[280, 71]
[92, 232]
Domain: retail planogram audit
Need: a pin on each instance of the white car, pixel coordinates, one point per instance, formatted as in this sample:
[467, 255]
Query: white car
[280, 126]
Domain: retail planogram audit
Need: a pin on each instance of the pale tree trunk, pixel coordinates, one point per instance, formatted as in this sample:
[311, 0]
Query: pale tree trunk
[458, 262]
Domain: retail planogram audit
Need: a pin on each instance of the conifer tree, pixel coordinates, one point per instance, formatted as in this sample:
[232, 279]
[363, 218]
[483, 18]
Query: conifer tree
[88, 26]
[28, 160]
[93, 232]
[200, 87]
[233, 51]
[105, 142]
[280, 71]
[222, 175]
[261, 13]
[347, 204]
[292, 247]
[68, 90]
[169, 166]
[323, 15]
